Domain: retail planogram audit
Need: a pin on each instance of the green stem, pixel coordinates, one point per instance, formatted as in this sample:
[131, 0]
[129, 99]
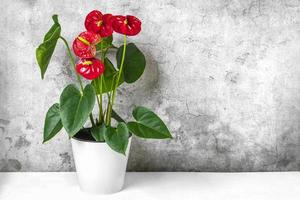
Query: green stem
[108, 101]
[100, 87]
[109, 105]
[117, 82]
[101, 79]
[99, 98]
[108, 108]
[92, 119]
[72, 61]
[74, 65]
[99, 105]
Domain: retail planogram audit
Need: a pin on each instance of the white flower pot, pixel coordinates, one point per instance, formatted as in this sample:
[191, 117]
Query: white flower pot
[100, 170]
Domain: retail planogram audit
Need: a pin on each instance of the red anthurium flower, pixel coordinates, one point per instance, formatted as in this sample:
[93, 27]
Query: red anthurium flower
[106, 29]
[90, 68]
[126, 25]
[98, 23]
[93, 21]
[84, 44]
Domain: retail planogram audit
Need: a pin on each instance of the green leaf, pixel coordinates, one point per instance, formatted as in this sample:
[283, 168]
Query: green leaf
[98, 133]
[76, 107]
[105, 43]
[109, 68]
[52, 122]
[117, 138]
[118, 118]
[45, 50]
[134, 62]
[109, 77]
[148, 124]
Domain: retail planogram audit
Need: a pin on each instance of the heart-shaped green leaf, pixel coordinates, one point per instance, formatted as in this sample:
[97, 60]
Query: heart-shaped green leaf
[52, 122]
[98, 133]
[117, 138]
[109, 68]
[148, 124]
[76, 107]
[134, 62]
[109, 77]
[45, 50]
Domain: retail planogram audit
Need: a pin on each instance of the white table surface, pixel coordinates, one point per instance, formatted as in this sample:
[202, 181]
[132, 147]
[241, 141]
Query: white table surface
[161, 185]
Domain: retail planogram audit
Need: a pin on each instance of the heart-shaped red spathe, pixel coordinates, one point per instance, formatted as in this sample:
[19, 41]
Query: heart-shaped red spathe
[126, 25]
[106, 29]
[98, 23]
[93, 20]
[90, 68]
[84, 44]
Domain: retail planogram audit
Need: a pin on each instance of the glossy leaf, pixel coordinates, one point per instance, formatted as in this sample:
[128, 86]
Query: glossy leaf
[148, 124]
[118, 118]
[134, 63]
[117, 138]
[52, 123]
[98, 133]
[105, 43]
[76, 107]
[45, 50]
[109, 76]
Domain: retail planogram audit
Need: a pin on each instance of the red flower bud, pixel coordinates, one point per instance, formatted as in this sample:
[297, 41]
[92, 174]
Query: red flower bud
[84, 44]
[97, 23]
[90, 68]
[126, 25]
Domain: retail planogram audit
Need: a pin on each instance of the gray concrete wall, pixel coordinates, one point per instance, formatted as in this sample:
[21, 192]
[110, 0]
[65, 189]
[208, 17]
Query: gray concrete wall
[224, 75]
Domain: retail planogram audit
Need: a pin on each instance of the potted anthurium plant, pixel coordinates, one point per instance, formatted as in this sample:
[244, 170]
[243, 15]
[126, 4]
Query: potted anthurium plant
[101, 150]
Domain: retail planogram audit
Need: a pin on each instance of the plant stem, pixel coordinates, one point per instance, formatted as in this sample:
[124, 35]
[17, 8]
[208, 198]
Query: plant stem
[117, 82]
[109, 105]
[98, 101]
[99, 97]
[92, 119]
[101, 110]
[108, 101]
[100, 87]
[78, 77]
[72, 61]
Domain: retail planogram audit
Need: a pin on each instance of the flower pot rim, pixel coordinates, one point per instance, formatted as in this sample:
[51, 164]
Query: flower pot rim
[90, 141]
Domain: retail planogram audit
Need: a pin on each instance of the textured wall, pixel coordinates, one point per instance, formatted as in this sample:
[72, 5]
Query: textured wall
[225, 76]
